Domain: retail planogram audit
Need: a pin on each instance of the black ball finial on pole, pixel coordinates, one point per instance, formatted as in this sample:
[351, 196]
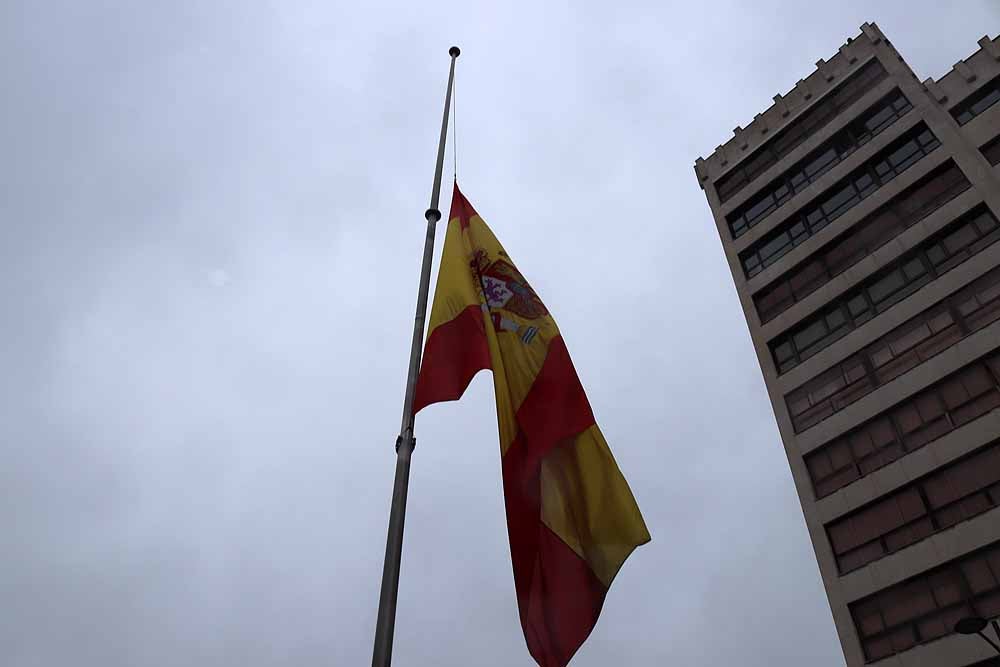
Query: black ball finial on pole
[454, 51]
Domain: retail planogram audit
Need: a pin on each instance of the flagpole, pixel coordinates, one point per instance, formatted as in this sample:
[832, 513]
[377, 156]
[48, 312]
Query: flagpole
[386, 622]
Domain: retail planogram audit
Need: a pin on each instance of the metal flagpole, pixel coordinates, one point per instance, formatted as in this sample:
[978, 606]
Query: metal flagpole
[382, 656]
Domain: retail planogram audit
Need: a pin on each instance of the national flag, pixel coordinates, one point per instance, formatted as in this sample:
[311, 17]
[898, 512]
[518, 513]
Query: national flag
[571, 517]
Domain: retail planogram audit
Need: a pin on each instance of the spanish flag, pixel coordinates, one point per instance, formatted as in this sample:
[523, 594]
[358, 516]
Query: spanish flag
[571, 517]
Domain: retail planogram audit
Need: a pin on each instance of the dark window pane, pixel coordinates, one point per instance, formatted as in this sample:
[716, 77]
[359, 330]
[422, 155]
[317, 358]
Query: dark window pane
[765, 205]
[877, 648]
[960, 238]
[857, 305]
[953, 393]
[883, 117]
[936, 254]
[914, 269]
[929, 407]
[932, 627]
[903, 154]
[810, 335]
[985, 223]
[835, 319]
[886, 286]
[907, 417]
[978, 102]
[868, 617]
[839, 201]
[865, 185]
[977, 572]
[798, 231]
[991, 151]
[820, 163]
[976, 380]
[903, 603]
[774, 245]
[798, 181]
[985, 103]
[813, 218]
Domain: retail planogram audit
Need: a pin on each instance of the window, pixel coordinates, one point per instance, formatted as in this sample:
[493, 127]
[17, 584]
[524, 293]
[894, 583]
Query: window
[775, 246]
[810, 335]
[925, 607]
[905, 347]
[953, 401]
[841, 200]
[936, 255]
[817, 163]
[800, 129]
[957, 492]
[991, 150]
[978, 102]
[911, 206]
[879, 120]
[903, 154]
[834, 202]
[887, 286]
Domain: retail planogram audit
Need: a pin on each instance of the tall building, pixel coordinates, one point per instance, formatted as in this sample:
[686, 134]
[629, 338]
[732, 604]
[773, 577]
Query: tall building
[859, 215]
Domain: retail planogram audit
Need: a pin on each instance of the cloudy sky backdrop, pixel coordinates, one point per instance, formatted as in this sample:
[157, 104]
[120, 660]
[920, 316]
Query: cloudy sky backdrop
[211, 220]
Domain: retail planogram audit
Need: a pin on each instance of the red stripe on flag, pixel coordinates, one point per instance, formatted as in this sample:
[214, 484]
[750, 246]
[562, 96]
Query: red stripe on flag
[556, 406]
[461, 208]
[522, 499]
[455, 352]
[559, 597]
[566, 599]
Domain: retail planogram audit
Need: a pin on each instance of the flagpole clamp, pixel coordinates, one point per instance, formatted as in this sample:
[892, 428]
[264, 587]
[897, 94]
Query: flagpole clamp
[399, 442]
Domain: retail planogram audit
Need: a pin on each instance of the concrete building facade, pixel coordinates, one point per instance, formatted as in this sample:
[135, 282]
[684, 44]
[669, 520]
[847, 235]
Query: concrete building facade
[859, 217]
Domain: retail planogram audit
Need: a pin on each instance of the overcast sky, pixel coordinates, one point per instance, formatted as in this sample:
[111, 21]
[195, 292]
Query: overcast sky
[212, 218]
